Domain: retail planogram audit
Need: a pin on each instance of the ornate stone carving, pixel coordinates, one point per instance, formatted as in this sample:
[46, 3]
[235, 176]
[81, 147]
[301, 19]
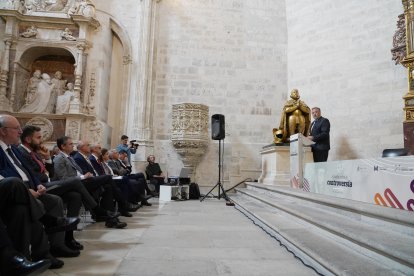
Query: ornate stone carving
[45, 125]
[94, 131]
[30, 32]
[73, 129]
[67, 35]
[189, 134]
[398, 43]
[90, 107]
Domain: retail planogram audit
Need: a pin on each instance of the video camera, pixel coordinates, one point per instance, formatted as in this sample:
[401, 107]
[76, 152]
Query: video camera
[134, 143]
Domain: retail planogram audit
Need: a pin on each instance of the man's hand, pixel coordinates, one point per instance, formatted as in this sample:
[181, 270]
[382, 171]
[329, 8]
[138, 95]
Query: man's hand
[41, 190]
[44, 152]
[310, 138]
[34, 193]
[88, 174]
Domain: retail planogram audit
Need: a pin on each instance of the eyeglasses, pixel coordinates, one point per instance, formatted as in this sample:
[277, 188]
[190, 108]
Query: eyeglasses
[16, 128]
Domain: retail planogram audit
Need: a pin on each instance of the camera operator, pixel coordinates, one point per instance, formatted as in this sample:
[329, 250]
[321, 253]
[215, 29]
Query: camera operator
[130, 148]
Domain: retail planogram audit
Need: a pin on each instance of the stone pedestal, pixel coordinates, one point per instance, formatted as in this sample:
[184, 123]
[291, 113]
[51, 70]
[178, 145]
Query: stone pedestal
[189, 134]
[276, 164]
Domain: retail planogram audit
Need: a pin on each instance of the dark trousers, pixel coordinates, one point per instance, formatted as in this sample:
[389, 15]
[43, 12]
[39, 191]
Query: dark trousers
[320, 155]
[20, 212]
[110, 191]
[73, 193]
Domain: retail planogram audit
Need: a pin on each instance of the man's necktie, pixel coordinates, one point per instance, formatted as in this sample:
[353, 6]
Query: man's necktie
[74, 165]
[38, 161]
[17, 162]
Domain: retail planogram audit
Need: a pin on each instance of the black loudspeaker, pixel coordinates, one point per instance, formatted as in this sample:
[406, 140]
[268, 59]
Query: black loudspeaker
[217, 127]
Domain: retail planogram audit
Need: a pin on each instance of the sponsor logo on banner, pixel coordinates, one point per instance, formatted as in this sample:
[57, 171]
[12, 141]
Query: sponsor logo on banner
[383, 181]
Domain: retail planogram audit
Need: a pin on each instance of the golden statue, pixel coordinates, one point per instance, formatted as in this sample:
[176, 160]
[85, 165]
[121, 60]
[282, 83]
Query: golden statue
[295, 119]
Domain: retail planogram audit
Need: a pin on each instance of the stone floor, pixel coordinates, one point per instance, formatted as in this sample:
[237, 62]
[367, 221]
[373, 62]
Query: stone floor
[182, 238]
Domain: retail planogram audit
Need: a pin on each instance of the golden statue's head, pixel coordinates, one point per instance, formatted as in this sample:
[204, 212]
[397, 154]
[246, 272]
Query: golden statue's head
[294, 94]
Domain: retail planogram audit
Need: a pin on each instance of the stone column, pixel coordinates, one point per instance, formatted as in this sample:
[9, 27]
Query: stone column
[4, 70]
[141, 99]
[75, 104]
[189, 133]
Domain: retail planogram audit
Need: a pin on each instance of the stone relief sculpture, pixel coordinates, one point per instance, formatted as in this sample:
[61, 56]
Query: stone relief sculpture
[67, 35]
[57, 5]
[30, 32]
[95, 131]
[398, 50]
[295, 119]
[45, 125]
[72, 129]
[82, 7]
[31, 89]
[63, 101]
[41, 97]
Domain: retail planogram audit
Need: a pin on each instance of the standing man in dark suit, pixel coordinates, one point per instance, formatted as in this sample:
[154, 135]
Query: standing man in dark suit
[319, 133]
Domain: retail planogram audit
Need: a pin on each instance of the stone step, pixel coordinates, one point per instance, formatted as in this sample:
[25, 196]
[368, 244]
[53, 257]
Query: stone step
[342, 239]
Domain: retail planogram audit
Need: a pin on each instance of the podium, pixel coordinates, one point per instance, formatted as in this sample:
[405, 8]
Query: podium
[299, 149]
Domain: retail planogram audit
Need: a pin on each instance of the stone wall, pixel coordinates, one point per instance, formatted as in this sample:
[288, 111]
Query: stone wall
[231, 56]
[339, 58]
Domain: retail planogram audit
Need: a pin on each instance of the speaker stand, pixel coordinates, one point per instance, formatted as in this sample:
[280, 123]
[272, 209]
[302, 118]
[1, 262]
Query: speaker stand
[219, 185]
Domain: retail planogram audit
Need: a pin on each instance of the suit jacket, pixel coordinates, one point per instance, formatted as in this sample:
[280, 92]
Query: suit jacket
[35, 167]
[96, 165]
[83, 164]
[7, 169]
[320, 131]
[63, 167]
[117, 167]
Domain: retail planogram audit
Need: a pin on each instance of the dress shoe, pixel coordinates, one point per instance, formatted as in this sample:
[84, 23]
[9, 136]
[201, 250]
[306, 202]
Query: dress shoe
[54, 263]
[64, 252]
[62, 224]
[19, 265]
[145, 203]
[126, 214]
[74, 245]
[106, 216]
[115, 223]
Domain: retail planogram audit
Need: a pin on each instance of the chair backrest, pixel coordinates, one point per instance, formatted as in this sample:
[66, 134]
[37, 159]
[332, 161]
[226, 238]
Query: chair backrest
[394, 152]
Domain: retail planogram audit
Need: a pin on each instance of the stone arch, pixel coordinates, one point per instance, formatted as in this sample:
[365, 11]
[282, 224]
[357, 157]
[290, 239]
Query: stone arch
[47, 59]
[122, 36]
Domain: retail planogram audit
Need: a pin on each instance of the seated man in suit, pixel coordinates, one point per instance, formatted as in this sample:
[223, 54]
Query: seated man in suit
[82, 159]
[12, 165]
[13, 262]
[154, 173]
[66, 167]
[71, 190]
[120, 168]
[133, 190]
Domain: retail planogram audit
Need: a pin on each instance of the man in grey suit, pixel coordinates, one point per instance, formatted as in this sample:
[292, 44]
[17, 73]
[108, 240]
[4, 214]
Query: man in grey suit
[66, 167]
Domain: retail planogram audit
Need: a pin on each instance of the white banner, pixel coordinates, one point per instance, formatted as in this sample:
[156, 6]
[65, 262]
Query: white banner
[383, 181]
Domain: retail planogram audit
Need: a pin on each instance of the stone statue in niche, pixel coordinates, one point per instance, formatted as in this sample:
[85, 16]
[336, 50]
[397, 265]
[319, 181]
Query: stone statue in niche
[58, 88]
[67, 35]
[63, 101]
[41, 97]
[295, 119]
[30, 32]
[31, 89]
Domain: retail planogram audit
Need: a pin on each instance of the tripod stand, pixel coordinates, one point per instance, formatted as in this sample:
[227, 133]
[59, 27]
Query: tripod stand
[219, 185]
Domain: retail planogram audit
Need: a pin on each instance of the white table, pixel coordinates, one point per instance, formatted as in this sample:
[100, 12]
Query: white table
[167, 192]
